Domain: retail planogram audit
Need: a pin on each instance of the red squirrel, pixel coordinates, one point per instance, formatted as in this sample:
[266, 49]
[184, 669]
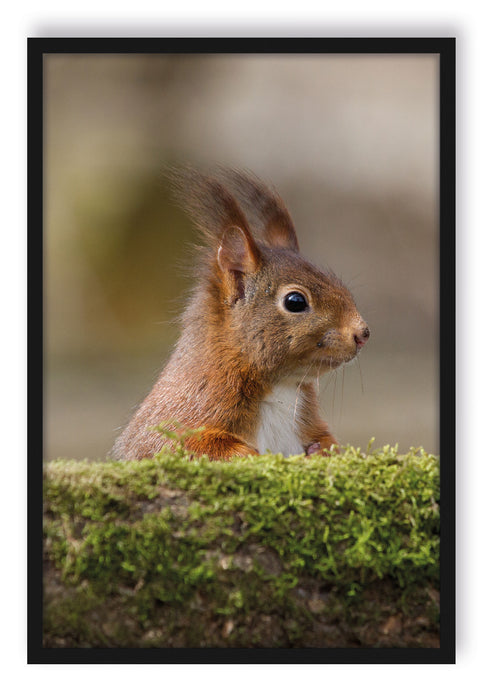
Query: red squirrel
[262, 324]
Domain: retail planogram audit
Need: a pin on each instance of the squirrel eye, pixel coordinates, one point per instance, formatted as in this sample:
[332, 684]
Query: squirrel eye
[295, 302]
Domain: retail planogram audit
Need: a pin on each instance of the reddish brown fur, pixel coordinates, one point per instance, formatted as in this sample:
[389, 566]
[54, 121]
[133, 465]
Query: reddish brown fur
[238, 341]
[313, 428]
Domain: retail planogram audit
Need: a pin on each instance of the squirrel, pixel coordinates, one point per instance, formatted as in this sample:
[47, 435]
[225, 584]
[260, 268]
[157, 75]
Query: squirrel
[261, 326]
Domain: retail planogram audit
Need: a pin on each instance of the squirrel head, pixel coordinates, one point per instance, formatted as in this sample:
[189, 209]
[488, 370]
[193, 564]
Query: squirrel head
[282, 314]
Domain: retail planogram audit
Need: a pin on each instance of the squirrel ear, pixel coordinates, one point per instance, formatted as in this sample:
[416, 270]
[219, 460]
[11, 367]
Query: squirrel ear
[280, 234]
[266, 208]
[238, 252]
[237, 255]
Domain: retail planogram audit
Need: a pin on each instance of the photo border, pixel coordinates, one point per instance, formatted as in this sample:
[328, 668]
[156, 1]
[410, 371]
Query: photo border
[445, 48]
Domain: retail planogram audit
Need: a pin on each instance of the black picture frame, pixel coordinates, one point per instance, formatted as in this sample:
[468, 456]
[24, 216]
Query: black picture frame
[445, 48]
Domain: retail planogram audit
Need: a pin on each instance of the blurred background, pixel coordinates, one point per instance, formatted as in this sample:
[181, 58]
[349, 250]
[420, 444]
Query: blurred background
[351, 144]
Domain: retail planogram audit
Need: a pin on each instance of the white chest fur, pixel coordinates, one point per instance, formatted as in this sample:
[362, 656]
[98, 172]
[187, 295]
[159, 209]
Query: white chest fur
[278, 420]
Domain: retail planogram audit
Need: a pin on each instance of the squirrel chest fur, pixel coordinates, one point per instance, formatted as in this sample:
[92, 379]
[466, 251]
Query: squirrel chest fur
[278, 420]
[261, 326]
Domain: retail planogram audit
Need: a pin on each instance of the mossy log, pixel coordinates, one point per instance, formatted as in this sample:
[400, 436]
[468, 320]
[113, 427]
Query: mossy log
[327, 551]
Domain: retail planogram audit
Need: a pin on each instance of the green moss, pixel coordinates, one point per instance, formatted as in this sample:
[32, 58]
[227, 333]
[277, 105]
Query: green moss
[257, 539]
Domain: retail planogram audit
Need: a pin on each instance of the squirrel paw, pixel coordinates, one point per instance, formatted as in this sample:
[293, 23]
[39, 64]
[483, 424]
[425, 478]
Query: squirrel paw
[313, 448]
[319, 447]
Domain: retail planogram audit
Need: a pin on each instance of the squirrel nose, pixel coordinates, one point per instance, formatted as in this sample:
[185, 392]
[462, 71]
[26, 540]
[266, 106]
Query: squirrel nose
[362, 336]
